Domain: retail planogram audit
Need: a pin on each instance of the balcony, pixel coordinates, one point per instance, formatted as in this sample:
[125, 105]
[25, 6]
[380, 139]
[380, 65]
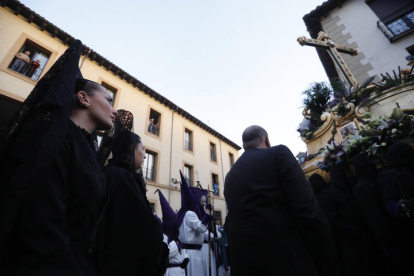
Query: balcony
[154, 129]
[398, 24]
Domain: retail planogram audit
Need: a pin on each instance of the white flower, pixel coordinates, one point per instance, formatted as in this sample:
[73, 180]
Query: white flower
[394, 130]
[373, 149]
[331, 146]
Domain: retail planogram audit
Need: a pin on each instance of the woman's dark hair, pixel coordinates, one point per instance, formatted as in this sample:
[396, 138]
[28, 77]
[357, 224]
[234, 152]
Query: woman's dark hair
[123, 151]
[87, 86]
[137, 140]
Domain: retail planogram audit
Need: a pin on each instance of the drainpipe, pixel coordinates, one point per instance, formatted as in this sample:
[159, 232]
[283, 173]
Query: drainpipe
[172, 134]
[222, 171]
[83, 60]
[222, 168]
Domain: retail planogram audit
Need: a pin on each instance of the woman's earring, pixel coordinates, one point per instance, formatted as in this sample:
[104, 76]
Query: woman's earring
[86, 104]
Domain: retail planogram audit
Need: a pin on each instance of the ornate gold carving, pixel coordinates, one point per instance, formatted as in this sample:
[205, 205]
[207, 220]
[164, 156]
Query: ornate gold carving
[347, 118]
[306, 112]
[361, 110]
[326, 117]
[302, 40]
[322, 173]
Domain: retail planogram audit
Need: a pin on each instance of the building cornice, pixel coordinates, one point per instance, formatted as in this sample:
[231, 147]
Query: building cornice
[19, 9]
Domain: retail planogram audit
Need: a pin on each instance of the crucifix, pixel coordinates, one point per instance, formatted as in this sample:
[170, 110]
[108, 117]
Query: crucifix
[324, 41]
[198, 181]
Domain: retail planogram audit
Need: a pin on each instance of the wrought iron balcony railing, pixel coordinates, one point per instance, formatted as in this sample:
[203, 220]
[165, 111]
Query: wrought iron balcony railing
[398, 24]
[154, 129]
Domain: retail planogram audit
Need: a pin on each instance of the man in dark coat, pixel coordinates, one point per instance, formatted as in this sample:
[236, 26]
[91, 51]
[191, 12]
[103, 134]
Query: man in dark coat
[276, 226]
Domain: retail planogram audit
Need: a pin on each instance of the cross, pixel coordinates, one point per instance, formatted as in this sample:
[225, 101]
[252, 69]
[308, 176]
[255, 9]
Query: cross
[324, 41]
[198, 181]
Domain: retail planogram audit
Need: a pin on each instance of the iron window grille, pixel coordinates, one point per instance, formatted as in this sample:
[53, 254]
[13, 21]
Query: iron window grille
[398, 24]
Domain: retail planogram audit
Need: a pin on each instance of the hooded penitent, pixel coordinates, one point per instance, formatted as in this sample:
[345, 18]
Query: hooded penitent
[169, 219]
[189, 202]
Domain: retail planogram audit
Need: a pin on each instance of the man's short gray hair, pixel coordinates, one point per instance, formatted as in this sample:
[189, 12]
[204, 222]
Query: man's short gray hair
[253, 136]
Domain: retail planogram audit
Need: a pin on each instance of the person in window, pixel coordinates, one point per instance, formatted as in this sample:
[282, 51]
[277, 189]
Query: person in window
[34, 64]
[21, 60]
[157, 129]
[150, 125]
[53, 191]
[216, 188]
[132, 238]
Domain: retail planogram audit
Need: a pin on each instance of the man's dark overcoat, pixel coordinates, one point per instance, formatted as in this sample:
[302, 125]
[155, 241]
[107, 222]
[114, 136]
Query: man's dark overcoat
[275, 223]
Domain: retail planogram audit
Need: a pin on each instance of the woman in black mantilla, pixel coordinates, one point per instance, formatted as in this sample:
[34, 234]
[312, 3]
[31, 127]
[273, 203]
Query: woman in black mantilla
[54, 193]
[133, 239]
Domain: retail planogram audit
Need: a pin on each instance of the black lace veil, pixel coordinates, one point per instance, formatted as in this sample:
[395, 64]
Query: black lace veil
[41, 119]
[36, 133]
[120, 142]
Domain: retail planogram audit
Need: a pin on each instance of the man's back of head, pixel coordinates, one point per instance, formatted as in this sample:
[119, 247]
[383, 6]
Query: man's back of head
[255, 136]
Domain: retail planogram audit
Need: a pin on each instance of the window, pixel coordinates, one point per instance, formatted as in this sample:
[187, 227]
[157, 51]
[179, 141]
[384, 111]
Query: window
[217, 216]
[30, 60]
[215, 184]
[111, 90]
[213, 152]
[394, 23]
[154, 122]
[149, 168]
[188, 174]
[231, 157]
[188, 140]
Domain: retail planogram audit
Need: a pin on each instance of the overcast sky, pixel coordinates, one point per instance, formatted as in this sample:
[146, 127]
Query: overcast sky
[229, 63]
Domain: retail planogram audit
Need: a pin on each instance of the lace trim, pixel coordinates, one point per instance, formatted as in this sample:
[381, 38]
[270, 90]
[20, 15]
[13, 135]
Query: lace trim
[89, 137]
